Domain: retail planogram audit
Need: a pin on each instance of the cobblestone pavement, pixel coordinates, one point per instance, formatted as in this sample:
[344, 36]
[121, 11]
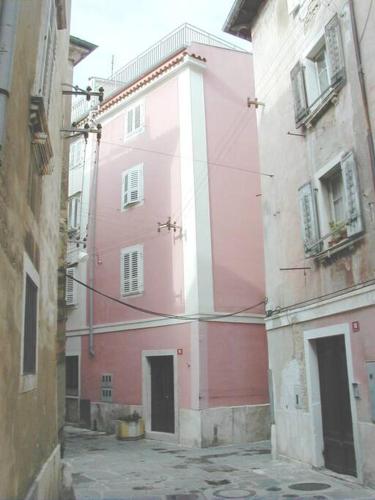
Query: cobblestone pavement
[106, 469]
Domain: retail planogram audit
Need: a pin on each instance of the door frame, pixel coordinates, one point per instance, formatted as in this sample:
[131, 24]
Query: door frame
[313, 392]
[146, 394]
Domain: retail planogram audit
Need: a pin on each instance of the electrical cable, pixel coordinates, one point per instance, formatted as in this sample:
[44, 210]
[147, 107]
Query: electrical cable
[367, 20]
[171, 155]
[207, 317]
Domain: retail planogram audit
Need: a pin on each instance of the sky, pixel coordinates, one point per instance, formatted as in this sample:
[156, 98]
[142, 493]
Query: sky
[125, 28]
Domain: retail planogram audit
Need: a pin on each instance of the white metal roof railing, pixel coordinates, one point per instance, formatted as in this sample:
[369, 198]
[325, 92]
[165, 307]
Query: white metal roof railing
[181, 37]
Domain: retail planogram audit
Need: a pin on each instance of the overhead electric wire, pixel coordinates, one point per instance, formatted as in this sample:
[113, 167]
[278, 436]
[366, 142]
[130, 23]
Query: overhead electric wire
[207, 317]
[172, 155]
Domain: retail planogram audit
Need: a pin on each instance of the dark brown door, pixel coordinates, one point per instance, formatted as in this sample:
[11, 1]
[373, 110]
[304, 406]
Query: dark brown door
[339, 453]
[162, 394]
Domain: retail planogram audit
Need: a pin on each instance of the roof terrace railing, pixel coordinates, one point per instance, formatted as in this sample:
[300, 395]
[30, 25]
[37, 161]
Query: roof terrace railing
[179, 39]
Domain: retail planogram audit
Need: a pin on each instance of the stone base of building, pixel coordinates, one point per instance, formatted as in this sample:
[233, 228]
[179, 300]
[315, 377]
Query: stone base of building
[48, 484]
[197, 428]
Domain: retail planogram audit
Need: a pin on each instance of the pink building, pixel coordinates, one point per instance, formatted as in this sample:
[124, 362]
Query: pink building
[177, 231]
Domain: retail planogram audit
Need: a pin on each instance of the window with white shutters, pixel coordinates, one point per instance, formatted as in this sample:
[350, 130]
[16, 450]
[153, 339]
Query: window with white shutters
[71, 287]
[134, 120]
[132, 186]
[132, 270]
[74, 212]
[317, 78]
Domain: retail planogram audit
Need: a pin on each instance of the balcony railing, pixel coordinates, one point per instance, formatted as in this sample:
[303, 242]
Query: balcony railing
[179, 39]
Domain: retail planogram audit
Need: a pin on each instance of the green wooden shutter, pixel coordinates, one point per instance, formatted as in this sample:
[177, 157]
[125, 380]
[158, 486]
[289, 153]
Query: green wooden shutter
[354, 220]
[335, 51]
[299, 92]
[309, 219]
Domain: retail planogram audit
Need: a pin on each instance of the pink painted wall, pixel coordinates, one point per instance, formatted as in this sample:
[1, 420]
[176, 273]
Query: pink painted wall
[158, 149]
[120, 353]
[236, 364]
[236, 218]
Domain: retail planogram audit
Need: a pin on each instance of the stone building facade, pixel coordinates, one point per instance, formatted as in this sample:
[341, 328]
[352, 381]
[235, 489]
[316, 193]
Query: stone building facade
[34, 64]
[314, 81]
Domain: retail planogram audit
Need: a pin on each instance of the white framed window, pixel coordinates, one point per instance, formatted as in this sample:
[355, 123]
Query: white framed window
[71, 286]
[132, 270]
[74, 212]
[132, 186]
[320, 73]
[29, 344]
[134, 119]
[76, 153]
[331, 207]
[46, 52]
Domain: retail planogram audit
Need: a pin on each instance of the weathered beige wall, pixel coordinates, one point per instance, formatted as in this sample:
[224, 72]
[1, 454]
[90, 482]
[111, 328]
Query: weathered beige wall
[30, 420]
[294, 160]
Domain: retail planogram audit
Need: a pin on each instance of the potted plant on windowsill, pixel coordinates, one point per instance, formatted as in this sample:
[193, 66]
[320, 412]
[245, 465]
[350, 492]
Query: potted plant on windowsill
[338, 232]
[130, 427]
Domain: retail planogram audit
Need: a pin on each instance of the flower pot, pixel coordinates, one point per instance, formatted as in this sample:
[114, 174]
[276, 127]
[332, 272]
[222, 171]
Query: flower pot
[130, 431]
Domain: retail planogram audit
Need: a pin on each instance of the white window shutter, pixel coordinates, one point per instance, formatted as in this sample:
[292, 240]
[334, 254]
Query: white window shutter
[135, 180]
[299, 92]
[129, 126]
[70, 287]
[125, 189]
[132, 270]
[352, 195]
[309, 219]
[137, 117]
[335, 51]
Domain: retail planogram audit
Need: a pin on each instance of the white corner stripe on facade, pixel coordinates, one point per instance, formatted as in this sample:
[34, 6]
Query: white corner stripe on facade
[198, 280]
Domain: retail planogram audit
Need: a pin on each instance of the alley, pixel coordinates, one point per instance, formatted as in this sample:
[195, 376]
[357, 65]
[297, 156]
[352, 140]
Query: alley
[106, 469]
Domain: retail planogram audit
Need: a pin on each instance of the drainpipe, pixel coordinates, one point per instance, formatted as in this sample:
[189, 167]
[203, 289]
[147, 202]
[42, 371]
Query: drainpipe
[8, 24]
[92, 259]
[361, 76]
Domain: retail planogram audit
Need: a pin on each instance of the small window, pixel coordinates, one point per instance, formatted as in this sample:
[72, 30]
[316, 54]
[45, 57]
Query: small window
[134, 122]
[331, 210]
[29, 353]
[74, 212]
[132, 186]
[319, 75]
[335, 188]
[132, 270]
[106, 387]
[30, 326]
[71, 287]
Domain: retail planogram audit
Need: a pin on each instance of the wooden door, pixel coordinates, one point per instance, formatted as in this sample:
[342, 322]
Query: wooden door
[339, 453]
[162, 394]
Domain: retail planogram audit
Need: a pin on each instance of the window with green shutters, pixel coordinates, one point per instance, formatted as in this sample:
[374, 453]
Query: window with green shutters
[318, 77]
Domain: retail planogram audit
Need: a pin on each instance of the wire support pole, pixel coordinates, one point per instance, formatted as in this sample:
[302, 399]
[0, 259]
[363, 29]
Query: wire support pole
[92, 252]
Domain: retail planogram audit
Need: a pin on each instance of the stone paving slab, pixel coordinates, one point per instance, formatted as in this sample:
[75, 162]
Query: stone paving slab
[106, 469]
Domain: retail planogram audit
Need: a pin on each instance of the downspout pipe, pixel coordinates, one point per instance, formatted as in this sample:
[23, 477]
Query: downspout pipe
[92, 259]
[8, 27]
[361, 77]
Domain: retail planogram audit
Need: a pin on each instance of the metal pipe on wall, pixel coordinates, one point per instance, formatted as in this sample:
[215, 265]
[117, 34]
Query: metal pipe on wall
[8, 24]
[361, 76]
